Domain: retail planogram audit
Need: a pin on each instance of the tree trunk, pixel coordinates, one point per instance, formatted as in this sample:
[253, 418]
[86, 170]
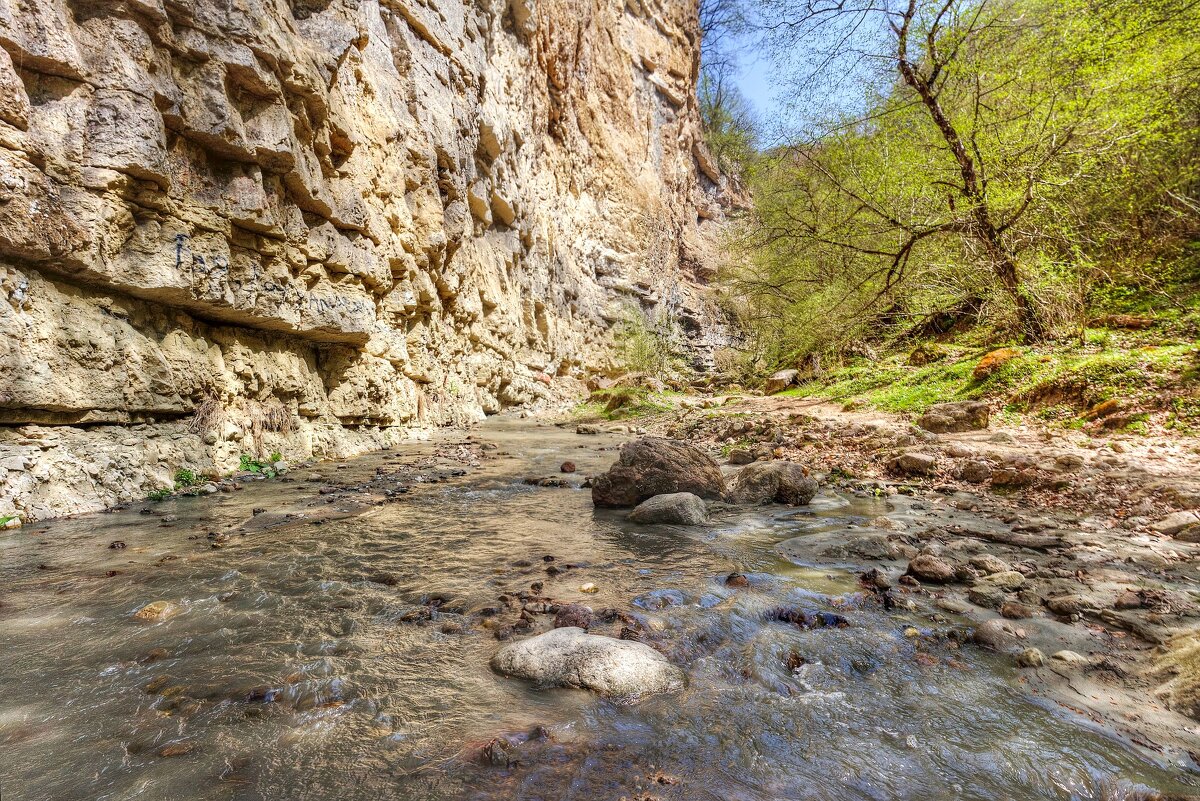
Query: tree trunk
[973, 188]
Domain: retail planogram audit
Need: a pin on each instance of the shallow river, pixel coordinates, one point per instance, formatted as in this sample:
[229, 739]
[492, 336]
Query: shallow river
[337, 647]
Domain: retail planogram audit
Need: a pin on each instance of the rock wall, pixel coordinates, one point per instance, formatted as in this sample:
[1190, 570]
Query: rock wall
[319, 226]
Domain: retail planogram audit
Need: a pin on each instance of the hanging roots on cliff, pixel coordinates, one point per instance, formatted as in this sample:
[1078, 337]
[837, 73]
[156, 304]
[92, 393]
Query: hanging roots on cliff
[208, 416]
[254, 418]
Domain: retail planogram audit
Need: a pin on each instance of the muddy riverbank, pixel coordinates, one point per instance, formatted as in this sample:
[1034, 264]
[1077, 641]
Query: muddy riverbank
[326, 635]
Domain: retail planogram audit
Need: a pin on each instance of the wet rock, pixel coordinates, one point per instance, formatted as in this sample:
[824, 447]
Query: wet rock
[116, 545]
[570, 657]
[567, 467]
[997, 634]
[176, 749]
[589, 430]
[157, 612]
[386, 579]
[576, 615]
[655, 466]
[682, 508]
[805, 619]
[930, 568]
[875, 579]
[774, 481]
[737, 580]
[780, 381]
[947, 418]
[1031, 658]
[499, 752]
[914, 463]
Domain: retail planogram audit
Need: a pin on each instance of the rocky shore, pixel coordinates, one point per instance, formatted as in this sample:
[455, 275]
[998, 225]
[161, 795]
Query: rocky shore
[1075, 553]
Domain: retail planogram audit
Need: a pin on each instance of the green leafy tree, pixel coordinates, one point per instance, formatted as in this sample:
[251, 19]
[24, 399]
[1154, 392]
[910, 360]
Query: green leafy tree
[1006, 149]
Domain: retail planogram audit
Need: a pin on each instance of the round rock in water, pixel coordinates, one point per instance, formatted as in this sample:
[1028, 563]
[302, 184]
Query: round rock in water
[570, 657]
[683, 508]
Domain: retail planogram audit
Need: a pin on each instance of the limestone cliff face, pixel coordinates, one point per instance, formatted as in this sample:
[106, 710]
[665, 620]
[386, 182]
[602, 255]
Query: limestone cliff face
[315, 226]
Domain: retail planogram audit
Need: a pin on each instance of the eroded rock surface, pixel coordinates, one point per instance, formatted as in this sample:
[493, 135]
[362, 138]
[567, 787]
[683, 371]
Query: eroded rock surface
[240, 227]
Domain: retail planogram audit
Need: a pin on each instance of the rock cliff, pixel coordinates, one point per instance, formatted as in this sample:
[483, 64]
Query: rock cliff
[318, 226]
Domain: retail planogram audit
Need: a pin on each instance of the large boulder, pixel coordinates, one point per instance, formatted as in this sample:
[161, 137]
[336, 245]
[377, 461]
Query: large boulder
[780, 381]
[570, 657]
[949, 418]
[777, 481]
[655, 466]
[683, 508]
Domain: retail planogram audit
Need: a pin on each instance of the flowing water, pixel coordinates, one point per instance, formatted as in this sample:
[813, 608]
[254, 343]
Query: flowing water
[337, 647]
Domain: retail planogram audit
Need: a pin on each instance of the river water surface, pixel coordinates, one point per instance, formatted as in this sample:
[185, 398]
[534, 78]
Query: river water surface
[337, 647]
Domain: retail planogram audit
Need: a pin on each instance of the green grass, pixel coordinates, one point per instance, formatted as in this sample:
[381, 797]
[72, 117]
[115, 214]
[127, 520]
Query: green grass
[1054, 382]
[633, 402]
[158, 495]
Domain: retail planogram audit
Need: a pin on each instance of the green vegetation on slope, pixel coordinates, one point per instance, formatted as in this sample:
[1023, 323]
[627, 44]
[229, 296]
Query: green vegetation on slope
[1011, 172]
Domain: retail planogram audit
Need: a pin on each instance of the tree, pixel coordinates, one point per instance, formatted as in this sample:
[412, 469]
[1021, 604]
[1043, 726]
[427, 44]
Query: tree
[978, 125]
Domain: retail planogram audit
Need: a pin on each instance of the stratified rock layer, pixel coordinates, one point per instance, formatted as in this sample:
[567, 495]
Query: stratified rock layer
[314, 226]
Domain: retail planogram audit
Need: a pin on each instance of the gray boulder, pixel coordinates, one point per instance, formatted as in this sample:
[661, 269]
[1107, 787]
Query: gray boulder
[570, 657]
[780, 381]
[915, 463]
[777, 481]
[655, 466]
[949, 418]
[683, 508]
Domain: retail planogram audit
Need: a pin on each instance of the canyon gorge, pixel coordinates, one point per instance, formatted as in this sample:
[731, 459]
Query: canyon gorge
[316, 228]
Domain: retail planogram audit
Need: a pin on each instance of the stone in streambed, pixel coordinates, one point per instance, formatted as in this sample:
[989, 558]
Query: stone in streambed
[776, 481]
[570, 657]
[997, 634]
[929, 568]
[655, 466]
[682, 508]
[157, 612]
